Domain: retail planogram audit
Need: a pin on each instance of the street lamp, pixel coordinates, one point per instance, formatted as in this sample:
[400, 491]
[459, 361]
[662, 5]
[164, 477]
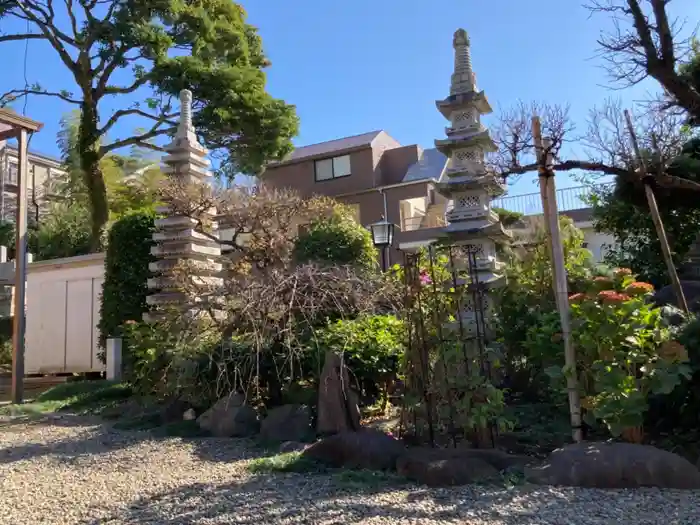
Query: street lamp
[383, 237]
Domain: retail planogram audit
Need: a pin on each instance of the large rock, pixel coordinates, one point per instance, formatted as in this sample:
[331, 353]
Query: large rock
[230, 417]
[691, 291]
[615, 465]
[366, 449]
[286, 423]
[337, 403]
[442, 467]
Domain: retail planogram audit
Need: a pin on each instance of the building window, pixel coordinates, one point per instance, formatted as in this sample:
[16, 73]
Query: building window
[327, 169]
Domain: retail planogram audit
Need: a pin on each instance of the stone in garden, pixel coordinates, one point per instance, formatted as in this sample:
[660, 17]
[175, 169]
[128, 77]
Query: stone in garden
[498, 459]
[189, 415]
[230, 417]
[691, 291]
[366, 449]
[445, 467]
[337, 403]
[615, 465]
[173, 409]
[286, 423]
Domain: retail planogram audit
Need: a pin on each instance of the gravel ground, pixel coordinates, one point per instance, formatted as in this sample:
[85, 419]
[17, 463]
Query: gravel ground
[74, 471]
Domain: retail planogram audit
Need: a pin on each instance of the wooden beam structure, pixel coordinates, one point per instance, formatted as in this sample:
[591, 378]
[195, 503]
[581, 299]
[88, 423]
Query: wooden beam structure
[13, 125]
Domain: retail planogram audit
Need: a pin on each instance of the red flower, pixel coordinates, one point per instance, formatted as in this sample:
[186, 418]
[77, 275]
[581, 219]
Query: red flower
[639, 288]
[577, 298]
[612, 297]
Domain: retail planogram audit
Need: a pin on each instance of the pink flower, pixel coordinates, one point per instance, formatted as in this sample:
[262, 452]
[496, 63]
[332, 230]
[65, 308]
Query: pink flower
[639, 288]
[612, 297]
[425, 278]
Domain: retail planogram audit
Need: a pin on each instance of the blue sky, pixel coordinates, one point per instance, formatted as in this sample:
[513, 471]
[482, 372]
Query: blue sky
[352, 67]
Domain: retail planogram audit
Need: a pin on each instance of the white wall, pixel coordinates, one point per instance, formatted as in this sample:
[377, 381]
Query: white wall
[63, 308]
[597, 243]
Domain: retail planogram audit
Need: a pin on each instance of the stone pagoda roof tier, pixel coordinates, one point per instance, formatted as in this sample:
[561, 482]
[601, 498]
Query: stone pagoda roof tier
[494, 231]
[453, 185]
[476, 138]
[475, 99]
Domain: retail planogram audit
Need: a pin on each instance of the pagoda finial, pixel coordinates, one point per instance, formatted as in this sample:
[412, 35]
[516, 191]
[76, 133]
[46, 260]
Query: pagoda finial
[460, 38]
[185, 112]
[463, 78]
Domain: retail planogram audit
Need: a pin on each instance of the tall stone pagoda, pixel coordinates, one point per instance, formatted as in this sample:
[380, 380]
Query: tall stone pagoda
[467, 182]
[176, 240]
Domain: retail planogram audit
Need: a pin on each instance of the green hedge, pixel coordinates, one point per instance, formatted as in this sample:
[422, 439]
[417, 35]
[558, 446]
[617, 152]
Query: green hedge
[336, 240]
[124, 289]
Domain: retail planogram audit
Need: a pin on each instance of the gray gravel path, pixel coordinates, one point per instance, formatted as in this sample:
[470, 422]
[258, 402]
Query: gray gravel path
[74, 471]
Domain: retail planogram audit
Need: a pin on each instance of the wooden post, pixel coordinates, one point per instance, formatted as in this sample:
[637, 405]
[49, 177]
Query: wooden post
[19, 318]
[656, 217]
[113, 357]
[549, 204]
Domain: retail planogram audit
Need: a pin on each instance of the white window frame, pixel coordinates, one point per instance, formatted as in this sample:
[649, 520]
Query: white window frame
[336, 172]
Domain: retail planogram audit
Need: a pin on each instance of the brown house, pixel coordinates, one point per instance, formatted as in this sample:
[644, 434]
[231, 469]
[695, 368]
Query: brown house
[375, 175]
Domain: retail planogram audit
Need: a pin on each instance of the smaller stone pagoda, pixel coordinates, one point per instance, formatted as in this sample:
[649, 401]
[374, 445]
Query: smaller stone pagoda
[468, 183]
[176, 240]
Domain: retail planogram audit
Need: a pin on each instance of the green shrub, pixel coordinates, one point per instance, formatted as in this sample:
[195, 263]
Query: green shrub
[124, 289]
[336, 240]
[372, 346]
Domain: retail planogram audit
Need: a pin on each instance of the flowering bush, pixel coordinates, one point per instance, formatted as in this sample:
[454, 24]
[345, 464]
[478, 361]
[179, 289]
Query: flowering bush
[624, 352]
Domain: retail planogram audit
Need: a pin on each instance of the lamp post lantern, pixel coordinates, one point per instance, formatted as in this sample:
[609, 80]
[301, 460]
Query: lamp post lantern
[383, 237]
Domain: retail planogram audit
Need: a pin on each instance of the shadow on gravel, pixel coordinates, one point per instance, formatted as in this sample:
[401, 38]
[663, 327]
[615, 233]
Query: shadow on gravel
[94, 436]
[261, 500]
[94, 439]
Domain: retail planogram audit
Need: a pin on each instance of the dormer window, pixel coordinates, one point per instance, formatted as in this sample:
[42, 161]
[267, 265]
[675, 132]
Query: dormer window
[334, 168]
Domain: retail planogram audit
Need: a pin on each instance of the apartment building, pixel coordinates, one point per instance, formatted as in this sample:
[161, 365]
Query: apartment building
[43, 169]
[375, 175]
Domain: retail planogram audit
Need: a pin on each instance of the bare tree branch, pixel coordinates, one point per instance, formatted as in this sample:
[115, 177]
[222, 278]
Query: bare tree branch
[644, 42]
[15, 94]
[163, 119]
[21, 37]
[608, 149]
[139, 140]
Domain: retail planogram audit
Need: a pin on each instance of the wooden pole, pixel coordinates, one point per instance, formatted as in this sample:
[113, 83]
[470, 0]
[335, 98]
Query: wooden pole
[545, 197]
[656, 217]
[18, 322]
[549, 204]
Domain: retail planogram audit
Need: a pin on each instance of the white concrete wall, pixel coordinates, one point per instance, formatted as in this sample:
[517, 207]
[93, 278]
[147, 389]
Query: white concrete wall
[597, 243]
[63, 308]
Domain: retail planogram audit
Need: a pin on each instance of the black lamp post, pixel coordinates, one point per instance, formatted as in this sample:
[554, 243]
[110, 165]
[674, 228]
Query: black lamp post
[383, 237]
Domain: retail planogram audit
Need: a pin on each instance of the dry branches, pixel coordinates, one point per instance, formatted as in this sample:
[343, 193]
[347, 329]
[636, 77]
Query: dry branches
[264, 305]
[606, 143]
[645, 42]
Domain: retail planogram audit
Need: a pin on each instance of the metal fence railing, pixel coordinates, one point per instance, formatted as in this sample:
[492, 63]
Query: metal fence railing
[531, 203]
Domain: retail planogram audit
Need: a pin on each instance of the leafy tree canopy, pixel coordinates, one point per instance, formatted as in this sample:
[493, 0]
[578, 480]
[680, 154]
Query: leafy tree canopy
[144, 52]
[624, 212]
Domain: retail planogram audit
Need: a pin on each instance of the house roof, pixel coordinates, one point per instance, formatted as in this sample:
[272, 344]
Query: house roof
[430, 165]
[331, 146]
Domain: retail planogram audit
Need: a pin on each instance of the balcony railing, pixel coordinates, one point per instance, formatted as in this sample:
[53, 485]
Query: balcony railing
[531, 203]
[421, 222]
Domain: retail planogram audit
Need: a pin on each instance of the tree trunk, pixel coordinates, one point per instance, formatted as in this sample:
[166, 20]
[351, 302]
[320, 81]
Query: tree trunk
[88, 151]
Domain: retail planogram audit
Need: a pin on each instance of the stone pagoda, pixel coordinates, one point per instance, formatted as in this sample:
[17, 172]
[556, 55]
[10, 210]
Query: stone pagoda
[467, 182]
[176, 240]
